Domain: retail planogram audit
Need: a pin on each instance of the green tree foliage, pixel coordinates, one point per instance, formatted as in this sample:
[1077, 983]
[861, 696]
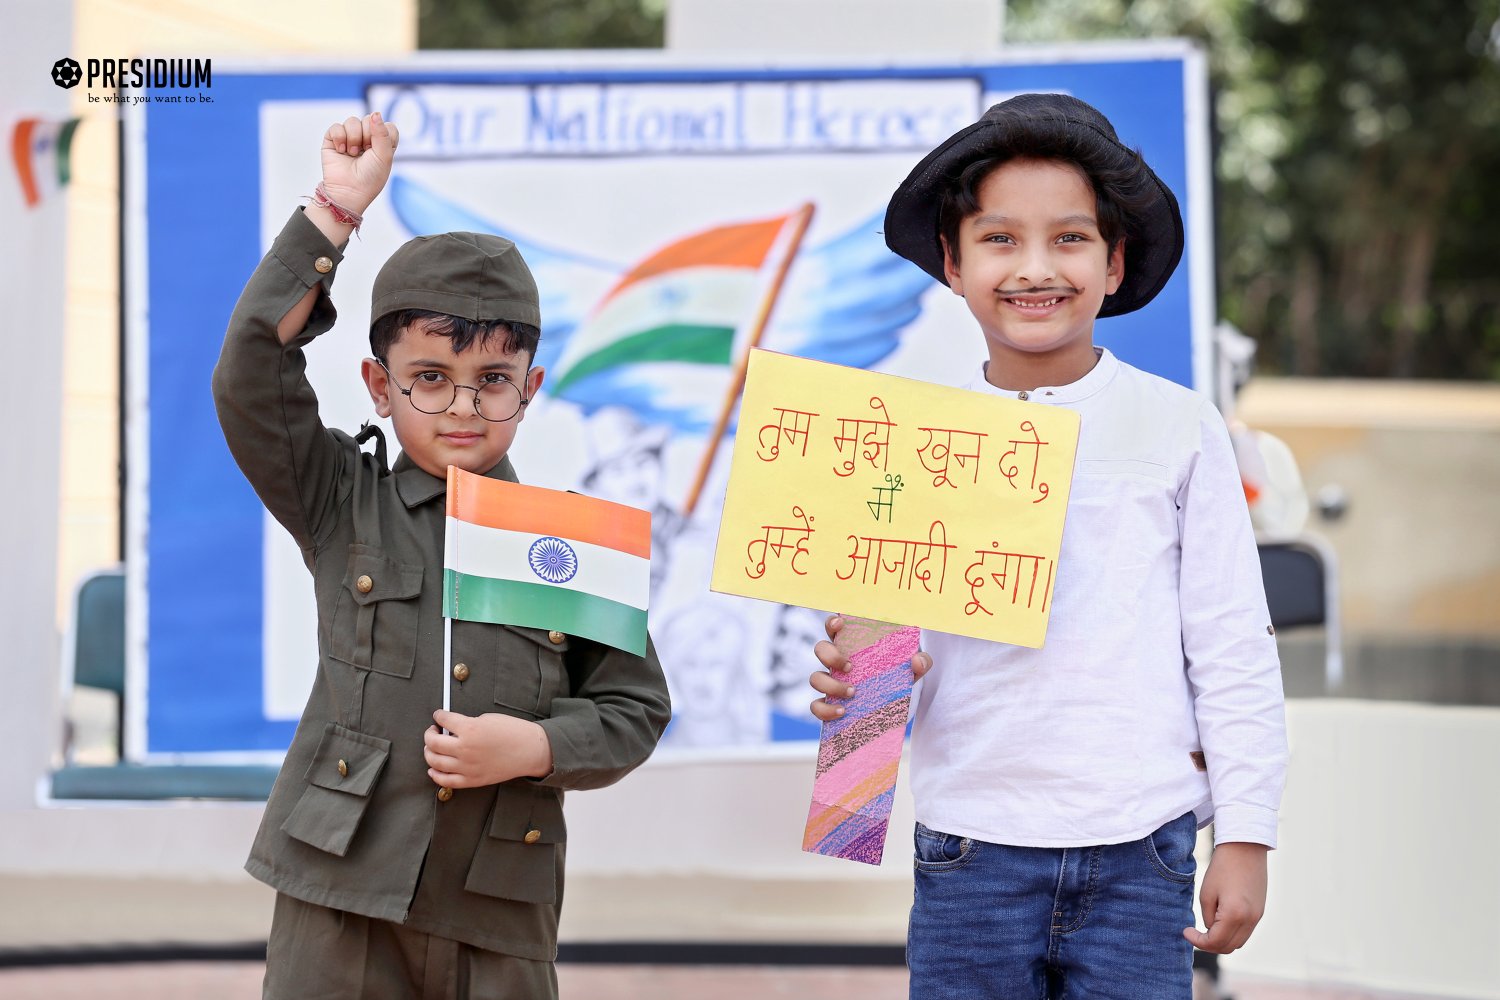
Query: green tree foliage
[539, 24]
[1359, 143]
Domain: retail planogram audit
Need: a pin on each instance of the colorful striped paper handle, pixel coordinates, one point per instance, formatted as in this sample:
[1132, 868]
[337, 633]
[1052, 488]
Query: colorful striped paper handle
[860, 753]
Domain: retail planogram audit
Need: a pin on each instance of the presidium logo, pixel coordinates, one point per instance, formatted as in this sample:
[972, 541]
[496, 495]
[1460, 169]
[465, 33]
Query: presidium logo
[66, 73]
[120, 75]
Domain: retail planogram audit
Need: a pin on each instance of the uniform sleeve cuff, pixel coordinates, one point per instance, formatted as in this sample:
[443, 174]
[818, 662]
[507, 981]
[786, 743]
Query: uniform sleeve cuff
[1245, 824]
[306, 252]
[569, 732]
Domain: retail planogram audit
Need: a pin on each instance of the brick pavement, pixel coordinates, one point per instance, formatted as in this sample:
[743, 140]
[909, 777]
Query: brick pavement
[241, 981]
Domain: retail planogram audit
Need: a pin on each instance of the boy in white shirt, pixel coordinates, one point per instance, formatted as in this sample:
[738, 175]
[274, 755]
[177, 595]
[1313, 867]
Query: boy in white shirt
[1059, 790]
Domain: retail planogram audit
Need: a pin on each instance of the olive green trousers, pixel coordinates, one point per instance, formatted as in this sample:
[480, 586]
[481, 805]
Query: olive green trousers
[318, 953]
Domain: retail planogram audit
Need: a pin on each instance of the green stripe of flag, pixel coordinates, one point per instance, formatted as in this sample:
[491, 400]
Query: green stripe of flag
[537, 605]
[65, 151]
[692, 343]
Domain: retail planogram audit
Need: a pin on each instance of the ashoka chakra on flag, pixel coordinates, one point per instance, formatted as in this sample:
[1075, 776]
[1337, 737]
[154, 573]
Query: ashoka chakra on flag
[553, 559]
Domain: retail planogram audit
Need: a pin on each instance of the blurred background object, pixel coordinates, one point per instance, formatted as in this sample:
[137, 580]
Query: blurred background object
[1358, 142]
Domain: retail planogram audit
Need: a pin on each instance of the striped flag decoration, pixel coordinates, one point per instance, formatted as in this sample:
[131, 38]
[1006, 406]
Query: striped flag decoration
[859, 753]
[522, 555]
[42, 152]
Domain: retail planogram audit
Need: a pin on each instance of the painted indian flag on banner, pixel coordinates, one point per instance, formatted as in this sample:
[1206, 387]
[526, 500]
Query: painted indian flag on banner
[668, 327]
[522, 555]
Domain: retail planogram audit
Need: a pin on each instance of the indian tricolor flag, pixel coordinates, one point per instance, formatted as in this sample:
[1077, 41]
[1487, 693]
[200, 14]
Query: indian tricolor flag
[42, 152]
[522, 555]
[667, 329]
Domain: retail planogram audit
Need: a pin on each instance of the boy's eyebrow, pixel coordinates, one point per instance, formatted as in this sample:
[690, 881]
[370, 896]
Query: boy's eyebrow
[992, 219]
[492, 366]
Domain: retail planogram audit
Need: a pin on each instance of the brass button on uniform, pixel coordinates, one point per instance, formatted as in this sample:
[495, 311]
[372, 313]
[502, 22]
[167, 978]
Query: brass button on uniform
[532, 836]
[556, 637]
[444, 794]
[364, 584]
[343, 769]
[460, 672]
[323, 265]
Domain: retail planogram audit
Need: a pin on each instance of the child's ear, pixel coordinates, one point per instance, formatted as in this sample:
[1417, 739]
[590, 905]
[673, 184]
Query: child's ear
[950, 268]
[379, 385]
[1115, 273]
[534, 378]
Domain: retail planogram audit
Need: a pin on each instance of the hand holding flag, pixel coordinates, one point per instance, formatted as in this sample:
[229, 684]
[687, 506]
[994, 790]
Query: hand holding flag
[465, 751]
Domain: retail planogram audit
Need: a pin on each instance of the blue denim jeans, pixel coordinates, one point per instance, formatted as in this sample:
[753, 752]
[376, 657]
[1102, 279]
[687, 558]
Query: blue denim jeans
[1036, 923]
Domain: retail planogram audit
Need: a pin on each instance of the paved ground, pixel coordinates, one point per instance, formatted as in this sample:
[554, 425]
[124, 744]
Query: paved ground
[241, 981]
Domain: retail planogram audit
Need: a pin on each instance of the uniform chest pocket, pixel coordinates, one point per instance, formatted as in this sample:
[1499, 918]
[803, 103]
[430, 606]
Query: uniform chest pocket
[532, 672]
[375, 622]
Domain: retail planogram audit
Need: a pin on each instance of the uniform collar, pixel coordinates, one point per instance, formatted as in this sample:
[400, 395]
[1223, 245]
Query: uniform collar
[1097, 378]
[417, 486]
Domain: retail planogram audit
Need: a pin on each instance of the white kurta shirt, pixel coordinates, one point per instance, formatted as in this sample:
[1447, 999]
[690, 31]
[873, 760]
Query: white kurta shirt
[1159, 648]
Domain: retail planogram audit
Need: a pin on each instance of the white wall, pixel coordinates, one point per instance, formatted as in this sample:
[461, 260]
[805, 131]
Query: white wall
[31, 288]
[947, 28]
[1387, 875]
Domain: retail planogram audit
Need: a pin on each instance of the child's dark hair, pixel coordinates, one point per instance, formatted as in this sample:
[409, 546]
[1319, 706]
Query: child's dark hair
[464, 333]
[1122, 183]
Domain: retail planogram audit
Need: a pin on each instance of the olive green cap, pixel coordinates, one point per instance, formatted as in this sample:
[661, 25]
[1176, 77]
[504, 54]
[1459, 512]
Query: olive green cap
[475, 276]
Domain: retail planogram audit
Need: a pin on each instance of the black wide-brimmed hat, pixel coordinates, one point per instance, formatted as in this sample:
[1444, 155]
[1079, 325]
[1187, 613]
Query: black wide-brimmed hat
[1153, 246]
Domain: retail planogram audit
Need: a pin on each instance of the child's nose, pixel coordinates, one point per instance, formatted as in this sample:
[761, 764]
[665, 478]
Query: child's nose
[1035, 265]
[465, 404]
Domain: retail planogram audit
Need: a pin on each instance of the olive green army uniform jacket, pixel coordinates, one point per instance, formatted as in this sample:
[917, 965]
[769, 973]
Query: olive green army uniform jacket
[354, 821]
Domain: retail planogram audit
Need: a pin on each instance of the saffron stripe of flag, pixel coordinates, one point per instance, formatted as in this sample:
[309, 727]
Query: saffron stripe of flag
[744, 244]
[511, 506]
[521, 555]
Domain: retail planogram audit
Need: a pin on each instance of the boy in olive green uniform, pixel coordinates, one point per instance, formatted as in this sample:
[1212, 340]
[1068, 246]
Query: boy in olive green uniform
[416, 853]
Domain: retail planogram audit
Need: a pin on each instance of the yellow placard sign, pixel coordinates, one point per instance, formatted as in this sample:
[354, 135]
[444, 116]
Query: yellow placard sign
[894, 499]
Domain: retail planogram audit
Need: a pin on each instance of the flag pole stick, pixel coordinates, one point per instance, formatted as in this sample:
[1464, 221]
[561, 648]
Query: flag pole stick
[737, 383]
[447, 657]
[449, 545]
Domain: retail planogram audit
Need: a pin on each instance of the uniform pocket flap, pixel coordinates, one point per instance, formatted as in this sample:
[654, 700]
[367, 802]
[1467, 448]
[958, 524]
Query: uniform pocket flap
[542, 637]
[346, 761]
[527, 816]
[372, 577]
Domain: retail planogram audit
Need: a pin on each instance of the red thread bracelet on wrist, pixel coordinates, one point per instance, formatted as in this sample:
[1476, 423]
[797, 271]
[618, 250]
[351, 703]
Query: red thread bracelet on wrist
[340, 214]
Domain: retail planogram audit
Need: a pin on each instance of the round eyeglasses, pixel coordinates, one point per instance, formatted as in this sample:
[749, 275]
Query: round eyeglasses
[496, 398]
